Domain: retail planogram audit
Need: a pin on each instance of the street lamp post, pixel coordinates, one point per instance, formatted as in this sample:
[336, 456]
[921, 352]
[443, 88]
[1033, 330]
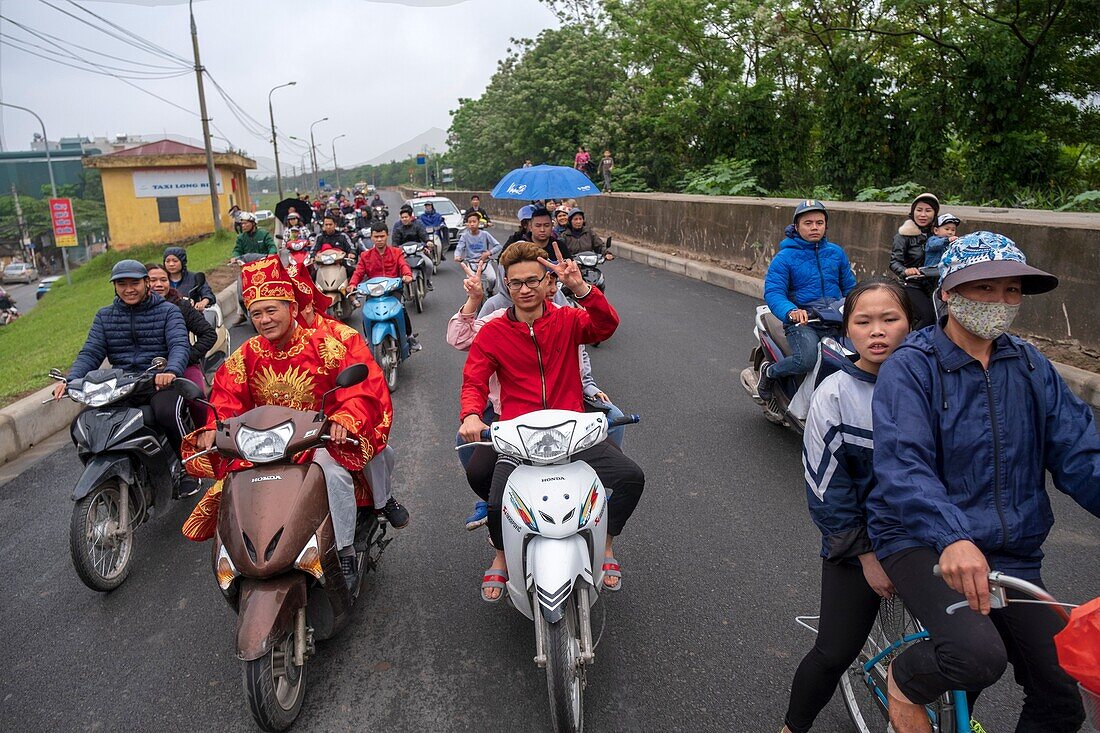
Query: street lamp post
[53, 182]
[313, 153]
[274, 141]
[334, 163]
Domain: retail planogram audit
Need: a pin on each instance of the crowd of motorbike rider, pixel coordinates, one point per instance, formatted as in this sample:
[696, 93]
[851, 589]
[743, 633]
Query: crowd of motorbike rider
[911, 459]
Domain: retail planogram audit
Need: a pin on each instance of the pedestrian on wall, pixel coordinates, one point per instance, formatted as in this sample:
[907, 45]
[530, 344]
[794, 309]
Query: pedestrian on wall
[607, 164]
[581, 159]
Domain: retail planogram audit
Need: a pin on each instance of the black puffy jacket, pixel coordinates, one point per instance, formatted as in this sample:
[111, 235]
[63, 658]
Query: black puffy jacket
[908, 248]
[130, 337]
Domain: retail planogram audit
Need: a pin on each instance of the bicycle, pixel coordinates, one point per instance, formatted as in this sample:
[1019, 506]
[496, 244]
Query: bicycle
[863, 686]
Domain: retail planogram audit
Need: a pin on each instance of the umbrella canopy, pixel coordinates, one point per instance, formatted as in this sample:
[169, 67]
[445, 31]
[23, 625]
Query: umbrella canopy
[545, 181]
[302, 208]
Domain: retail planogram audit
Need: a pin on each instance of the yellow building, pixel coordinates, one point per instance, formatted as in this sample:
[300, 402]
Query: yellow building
[160, 192]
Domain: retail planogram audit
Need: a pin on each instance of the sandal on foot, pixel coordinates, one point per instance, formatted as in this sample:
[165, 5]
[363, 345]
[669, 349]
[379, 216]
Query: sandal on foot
[612, 568]
[494, 579]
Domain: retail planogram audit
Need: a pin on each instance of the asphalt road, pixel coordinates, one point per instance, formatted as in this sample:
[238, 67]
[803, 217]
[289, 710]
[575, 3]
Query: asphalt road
[718, 559]
[23, 295]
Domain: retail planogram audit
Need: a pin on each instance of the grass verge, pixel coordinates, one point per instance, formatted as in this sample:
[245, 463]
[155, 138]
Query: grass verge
[51, 334]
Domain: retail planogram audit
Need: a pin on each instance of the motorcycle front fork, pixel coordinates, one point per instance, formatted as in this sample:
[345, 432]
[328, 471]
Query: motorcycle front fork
[584, 628]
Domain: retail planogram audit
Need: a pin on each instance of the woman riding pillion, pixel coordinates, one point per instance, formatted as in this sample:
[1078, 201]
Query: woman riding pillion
[837, 451]
[188, 284]
[967, 421]
[805, 281]
[907, 256]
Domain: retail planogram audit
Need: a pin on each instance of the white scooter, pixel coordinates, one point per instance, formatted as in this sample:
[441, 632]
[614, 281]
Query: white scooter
[555, 532]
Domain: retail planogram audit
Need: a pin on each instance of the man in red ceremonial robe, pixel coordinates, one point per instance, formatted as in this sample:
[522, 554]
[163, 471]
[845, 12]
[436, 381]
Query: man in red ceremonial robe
[292, 366]
[312, 306]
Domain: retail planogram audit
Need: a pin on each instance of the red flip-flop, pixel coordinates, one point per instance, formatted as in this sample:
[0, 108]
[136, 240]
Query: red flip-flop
[612, 568]
[494, 578]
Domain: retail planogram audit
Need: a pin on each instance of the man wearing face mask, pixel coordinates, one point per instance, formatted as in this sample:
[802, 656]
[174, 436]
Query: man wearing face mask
[967, 421]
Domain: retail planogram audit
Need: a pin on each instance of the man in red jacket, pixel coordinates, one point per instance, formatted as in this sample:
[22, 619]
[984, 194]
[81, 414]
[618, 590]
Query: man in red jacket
[533, 351]
[382, 260]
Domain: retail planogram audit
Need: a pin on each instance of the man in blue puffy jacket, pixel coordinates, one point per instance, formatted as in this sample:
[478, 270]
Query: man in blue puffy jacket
[136, 328]
[806, 280]
[967, 421]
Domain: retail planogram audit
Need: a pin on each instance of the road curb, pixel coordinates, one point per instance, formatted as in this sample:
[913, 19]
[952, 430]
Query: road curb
[28, 422]
[1085, 384]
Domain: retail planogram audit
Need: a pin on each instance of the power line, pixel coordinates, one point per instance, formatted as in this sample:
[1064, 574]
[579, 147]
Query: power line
[13, 43]
[129, 37]
[22, 44]
[132, 62]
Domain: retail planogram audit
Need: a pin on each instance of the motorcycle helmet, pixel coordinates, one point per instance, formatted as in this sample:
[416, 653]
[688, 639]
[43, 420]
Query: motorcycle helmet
[525, 212]
[128, 270]
[807, 206]
[248, 216]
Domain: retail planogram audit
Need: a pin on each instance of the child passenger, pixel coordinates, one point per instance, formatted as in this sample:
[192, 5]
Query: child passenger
[837, 451]
[943, 234]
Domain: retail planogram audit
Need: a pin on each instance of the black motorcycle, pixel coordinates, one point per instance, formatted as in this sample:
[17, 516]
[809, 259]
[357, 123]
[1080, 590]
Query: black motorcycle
[379, 213]
[129, 469]
[417, 290]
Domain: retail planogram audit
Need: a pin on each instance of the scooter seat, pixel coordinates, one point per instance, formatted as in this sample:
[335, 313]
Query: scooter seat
[775, 329]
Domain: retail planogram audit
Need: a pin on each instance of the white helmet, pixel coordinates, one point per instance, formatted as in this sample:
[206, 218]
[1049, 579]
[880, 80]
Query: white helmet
[248, 216]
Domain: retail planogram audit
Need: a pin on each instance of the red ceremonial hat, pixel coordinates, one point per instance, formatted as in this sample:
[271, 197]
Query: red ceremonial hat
[265, 280]
[306, 291]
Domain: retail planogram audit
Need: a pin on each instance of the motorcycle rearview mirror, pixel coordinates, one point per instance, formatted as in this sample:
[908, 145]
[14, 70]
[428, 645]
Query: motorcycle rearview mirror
[348, 377]
[188, 389]
[607, 245]
[159, 363]
[57, 375]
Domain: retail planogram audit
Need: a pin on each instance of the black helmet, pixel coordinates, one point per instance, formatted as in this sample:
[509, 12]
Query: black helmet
[128, 270]
[807, 206]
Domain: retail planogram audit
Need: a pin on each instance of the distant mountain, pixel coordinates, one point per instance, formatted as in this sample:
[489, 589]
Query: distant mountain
[434, 139]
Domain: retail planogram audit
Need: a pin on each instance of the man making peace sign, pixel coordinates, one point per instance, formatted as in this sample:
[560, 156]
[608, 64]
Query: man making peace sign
[533, 351]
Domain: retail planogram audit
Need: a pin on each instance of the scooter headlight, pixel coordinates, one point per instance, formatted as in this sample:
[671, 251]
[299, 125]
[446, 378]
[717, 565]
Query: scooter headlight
[547, 444]
[410, 249]
[224, 570]
[376, 290]
[101, 393]
[520, 509]
[264, 446]
[587, 259]
[309, 559]
[327, 258]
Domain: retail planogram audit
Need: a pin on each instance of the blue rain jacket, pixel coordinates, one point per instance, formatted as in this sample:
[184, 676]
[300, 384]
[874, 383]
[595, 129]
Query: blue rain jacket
[962, 453]
[803, 274]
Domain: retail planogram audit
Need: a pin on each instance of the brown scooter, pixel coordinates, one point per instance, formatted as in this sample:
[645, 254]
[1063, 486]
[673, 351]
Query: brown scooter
[274, 553]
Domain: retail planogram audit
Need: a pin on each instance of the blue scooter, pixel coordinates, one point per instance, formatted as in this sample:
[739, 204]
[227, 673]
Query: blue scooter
[384, 324]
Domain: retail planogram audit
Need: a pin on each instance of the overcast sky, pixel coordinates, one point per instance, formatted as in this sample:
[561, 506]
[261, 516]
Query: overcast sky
[383, 71]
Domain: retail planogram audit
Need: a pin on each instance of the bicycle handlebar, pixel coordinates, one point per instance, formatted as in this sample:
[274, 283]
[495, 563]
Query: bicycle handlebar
[998, 598]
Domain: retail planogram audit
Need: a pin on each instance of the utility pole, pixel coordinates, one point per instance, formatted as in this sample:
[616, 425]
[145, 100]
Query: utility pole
[313, 154]
[274, 136]
[334, 163]
[22, 225]
[215, 206]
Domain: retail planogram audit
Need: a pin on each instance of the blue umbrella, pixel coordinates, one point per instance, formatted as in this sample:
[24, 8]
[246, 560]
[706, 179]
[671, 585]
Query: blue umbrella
[545, 181]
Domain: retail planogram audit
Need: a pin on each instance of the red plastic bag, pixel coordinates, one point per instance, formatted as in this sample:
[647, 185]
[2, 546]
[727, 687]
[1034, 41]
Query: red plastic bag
[1078, 645]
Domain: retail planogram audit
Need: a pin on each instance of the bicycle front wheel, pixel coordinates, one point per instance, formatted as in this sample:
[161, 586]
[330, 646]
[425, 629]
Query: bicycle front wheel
[863, 686]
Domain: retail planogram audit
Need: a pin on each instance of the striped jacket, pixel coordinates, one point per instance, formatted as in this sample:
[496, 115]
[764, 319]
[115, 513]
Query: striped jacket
[837, 450]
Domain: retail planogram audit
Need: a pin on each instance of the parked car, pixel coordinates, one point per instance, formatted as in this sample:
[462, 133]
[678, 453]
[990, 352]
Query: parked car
[44, 286]
[264, 214]
[20, 272]
[452, 215]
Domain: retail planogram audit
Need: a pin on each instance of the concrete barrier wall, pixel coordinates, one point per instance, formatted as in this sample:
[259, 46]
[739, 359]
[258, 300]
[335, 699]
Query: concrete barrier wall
[742, 234]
